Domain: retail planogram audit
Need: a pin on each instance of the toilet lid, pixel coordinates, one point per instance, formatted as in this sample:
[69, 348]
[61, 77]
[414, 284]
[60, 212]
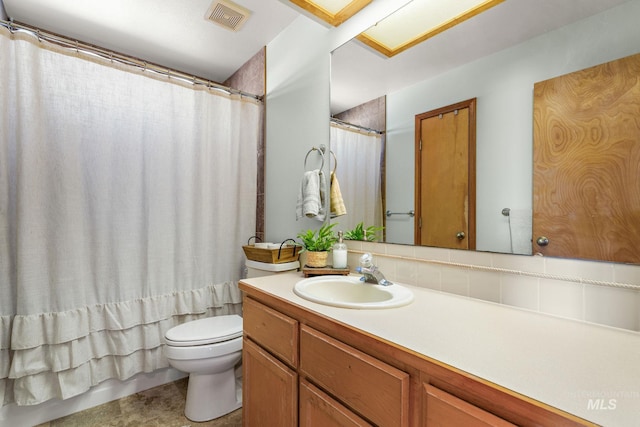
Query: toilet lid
[209, 330]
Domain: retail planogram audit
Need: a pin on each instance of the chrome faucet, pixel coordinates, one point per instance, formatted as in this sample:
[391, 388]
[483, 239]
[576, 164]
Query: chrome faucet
[370, 273]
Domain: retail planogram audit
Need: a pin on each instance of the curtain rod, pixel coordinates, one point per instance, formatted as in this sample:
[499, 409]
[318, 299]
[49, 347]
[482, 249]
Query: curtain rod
[357, 127]
[113, 56]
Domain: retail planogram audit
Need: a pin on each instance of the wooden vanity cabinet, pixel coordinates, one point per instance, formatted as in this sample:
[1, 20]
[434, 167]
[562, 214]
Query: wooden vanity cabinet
[289, 369]
[269, 363]
[303, 369]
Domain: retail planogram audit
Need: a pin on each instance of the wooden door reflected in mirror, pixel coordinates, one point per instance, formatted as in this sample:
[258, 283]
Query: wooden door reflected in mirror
[445, 177]
[586, 190]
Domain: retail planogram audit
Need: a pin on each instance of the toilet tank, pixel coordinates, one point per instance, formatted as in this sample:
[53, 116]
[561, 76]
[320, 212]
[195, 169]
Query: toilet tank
[259, 269]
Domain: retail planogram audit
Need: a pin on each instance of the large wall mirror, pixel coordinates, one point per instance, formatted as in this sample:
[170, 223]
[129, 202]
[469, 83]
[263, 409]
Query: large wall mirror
[496, 58]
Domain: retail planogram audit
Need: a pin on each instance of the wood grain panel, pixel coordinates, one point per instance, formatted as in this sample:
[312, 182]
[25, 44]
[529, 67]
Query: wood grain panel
[319, 409]
[587, 163]
[443, 409]
[366, 385]
[445, 176]
[269, 389]
[497, 400]
[271, 329]
[445, 167]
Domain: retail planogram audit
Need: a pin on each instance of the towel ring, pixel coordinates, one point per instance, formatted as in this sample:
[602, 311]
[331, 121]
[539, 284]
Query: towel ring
[307, 156]
[335, 162]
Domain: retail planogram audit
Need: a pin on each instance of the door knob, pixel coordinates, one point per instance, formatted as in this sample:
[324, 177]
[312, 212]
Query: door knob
[460, 235]
[542, 241]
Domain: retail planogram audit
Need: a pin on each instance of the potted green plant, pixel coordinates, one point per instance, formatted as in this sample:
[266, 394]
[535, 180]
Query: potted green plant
[317, 244]
[359, 232]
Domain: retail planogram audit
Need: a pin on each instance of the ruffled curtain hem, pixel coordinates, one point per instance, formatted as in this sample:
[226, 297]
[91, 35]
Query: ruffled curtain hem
[64, 326]
[35, 389]
[61, 355]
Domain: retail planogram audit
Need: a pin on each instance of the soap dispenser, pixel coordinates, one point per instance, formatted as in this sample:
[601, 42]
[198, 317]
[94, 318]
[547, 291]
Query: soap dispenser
[340, 253]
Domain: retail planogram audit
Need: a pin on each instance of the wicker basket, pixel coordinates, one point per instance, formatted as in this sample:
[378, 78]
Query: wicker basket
[286, 253]
[317, 259]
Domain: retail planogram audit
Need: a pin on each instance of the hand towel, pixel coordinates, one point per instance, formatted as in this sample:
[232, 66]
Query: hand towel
[520, 226]
[311, 196]
[336, 203]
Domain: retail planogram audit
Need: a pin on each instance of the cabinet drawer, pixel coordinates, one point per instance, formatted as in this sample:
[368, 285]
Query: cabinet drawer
[272, 330]
[442, 408]
[318, 409]
[375, 390]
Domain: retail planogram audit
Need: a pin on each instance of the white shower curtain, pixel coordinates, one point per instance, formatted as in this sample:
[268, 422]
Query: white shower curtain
[124, 203]
[359, 157]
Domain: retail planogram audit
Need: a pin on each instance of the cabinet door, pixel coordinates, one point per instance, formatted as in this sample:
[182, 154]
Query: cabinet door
[269, 389]
[441, 409]
[318, 409]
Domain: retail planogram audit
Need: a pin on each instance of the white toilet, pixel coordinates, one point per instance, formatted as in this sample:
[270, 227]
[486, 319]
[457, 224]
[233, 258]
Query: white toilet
[208, 349]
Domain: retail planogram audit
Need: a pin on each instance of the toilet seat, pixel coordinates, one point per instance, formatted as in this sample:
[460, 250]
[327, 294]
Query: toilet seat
[205, 331]
[207, 351]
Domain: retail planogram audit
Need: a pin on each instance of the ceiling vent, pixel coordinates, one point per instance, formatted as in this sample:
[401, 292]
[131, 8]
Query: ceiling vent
[227, 14]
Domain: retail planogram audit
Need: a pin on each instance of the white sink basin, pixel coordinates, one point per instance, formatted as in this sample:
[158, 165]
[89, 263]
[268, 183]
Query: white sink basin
[350, 292]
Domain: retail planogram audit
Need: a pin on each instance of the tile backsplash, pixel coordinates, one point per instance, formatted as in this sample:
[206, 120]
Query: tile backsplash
[589, 291]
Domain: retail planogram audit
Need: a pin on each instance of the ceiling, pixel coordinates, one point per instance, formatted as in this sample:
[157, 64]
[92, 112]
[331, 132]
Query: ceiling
[175, 34]
[171, 33]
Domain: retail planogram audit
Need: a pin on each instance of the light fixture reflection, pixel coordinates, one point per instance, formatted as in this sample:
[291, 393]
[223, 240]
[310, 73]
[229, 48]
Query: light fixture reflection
[420, 20]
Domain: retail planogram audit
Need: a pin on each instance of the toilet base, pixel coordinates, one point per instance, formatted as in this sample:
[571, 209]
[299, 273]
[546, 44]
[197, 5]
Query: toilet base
[203, 404]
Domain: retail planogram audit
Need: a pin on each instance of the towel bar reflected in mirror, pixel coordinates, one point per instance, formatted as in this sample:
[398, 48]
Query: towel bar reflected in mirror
[411, 213]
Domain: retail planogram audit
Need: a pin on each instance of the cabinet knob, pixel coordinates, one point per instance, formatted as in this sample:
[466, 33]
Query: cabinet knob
[542, 241]
[460, 235]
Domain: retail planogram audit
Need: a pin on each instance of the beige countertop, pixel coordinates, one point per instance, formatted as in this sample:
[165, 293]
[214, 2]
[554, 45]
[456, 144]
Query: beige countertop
[588, 370]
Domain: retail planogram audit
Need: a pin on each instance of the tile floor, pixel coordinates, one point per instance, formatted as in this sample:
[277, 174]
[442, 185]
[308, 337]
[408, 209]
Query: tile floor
[161, 406]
